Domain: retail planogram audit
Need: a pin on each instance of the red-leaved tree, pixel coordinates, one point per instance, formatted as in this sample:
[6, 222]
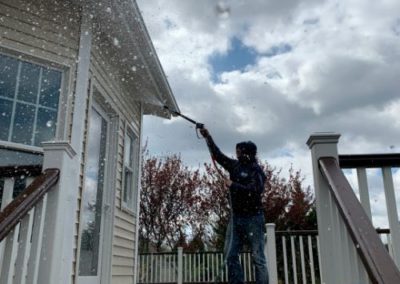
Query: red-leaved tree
[286, 202]
[168, 202]
[183, 207]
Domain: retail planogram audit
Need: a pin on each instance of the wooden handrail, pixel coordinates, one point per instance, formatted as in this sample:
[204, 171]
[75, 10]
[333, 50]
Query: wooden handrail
[369, 161]
[20, 206]
[378, 263]
[27, 170]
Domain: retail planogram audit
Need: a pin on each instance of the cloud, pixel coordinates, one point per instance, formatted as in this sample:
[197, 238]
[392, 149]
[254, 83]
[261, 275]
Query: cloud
[318, 66]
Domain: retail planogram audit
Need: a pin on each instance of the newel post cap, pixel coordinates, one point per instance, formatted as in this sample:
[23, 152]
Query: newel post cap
[323, 138]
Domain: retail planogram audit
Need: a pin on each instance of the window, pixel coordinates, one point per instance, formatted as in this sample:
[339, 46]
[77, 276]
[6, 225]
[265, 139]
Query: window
[29, 98]
[131, 163]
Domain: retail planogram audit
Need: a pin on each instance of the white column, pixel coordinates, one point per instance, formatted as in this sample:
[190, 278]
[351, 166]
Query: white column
[56, 255]
[138, 190]
[323, 145]
[82, 82]
[271, 254]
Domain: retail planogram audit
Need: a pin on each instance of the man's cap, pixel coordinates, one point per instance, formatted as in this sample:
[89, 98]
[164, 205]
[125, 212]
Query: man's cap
[247, 148]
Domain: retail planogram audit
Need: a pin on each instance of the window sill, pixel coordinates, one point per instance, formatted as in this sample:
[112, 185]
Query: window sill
[21, 147]
[127, 210]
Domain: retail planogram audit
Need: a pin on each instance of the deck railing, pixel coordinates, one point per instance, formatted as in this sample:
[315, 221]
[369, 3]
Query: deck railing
[385, 163]
[295, 262]
[298, 260]
[350, 249]
[22, 221]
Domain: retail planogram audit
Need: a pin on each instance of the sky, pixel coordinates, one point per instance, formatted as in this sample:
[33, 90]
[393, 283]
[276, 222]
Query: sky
[275, 72]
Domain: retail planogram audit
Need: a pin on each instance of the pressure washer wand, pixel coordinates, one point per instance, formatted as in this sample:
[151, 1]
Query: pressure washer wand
[198, 125]
[201, 126]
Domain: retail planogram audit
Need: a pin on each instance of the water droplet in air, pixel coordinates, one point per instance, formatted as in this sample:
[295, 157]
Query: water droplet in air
[116, 42]
[223, 10]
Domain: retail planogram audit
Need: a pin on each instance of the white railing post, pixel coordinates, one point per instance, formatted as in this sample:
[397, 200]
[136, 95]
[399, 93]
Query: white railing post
[340, 262]
[180, 265]
[271, 254]
[56, 254]
[324, 144]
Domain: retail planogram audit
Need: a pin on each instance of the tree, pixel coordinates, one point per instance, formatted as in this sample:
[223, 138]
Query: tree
[168, 201]
[183, 207]
[286, 202]
[300, 211]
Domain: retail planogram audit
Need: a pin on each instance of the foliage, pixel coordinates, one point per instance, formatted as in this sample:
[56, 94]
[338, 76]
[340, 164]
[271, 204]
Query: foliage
[183, 207]
[168, 202]
[286, 202]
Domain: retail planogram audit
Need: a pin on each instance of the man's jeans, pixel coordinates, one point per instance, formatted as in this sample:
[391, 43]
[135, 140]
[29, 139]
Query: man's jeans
[246, 230]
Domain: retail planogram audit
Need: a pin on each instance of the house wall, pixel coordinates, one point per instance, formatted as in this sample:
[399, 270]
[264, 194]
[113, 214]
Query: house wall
[44, 34]
[128, 110]
[48, 32]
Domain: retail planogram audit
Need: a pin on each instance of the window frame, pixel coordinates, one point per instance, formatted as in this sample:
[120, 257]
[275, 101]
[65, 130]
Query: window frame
[63, 102]
[130, 206]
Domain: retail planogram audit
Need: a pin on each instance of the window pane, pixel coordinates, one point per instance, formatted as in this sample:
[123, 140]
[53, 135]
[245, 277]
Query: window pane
[23, 124]
[19, 185]
[8, 76]
[93, 196]
[28, 82]
[127, 196]
[50, 88]
[5, 118]
[45, 125]
[128, 150]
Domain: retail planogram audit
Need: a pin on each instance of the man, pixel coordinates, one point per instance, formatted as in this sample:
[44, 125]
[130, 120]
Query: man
[247, 224]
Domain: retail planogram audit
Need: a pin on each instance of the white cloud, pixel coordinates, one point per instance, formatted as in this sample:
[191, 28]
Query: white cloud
[340, 75]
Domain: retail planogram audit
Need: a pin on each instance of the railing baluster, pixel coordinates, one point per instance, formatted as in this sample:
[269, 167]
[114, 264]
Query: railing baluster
[212, 267]
[24, 246]
[285, 261]
[180, 265]
[294, 268]
[251, 275]
[341, 240]
[36, 242]
[311, 259]
[364, 192]
[147, 263]
[319, 260]
[225, 267]
[203, 268]
[190, 267]
[10, 254]
[209, 266]
[392, 212]
[303, 266]
[8, 188]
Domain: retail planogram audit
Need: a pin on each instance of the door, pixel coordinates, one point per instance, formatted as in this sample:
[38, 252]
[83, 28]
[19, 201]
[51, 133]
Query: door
[92, 218]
